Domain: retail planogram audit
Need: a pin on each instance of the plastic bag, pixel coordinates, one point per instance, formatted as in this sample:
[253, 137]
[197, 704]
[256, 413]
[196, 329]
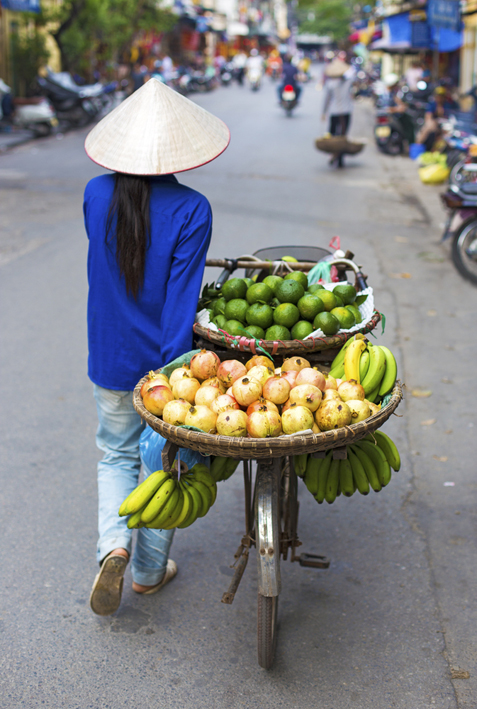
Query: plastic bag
[151, 445]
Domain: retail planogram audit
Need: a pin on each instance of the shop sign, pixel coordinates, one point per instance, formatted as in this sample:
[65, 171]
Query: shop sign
[444, 14]
[420, 35]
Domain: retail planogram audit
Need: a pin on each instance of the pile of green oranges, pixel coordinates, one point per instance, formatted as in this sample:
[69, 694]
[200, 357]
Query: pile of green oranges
[284, 308]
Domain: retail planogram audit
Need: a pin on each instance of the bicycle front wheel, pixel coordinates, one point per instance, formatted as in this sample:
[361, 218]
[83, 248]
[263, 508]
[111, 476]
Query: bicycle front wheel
[267, 630]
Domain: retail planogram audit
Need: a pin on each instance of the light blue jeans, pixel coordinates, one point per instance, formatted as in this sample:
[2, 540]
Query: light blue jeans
[118, 437]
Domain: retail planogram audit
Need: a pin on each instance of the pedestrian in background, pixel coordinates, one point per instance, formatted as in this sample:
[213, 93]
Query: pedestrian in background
[338, 101]
[148, 239]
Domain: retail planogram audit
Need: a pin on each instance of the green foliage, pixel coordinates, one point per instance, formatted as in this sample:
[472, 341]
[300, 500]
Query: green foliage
[95, 31]
[325, 17]
[29, 52]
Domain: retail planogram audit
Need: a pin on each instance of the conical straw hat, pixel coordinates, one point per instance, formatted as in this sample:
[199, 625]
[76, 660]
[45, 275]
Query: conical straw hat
[336, 68]
[156, 131]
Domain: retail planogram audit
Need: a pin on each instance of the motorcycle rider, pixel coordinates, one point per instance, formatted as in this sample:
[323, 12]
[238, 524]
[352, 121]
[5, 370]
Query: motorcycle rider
[238, 62]
[254, 66]
[289, 77]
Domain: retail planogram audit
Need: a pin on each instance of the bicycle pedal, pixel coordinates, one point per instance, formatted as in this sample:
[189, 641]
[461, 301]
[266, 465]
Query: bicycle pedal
[315, 561]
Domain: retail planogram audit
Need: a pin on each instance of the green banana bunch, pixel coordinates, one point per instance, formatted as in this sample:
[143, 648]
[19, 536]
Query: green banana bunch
[222, 468]
[300, 464]
[368, 464]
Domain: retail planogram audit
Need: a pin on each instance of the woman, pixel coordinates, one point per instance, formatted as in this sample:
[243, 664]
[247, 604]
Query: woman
[338, 103]
[148, 239]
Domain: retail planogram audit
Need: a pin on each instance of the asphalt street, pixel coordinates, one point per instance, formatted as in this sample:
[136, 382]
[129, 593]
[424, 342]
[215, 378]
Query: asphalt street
[391, 624]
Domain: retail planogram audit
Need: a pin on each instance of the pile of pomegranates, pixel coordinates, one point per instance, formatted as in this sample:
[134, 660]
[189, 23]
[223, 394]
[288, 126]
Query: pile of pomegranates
[254, 399]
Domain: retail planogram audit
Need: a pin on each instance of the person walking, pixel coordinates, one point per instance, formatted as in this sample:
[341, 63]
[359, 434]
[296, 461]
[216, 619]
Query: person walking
[338, 102]
[148, 239]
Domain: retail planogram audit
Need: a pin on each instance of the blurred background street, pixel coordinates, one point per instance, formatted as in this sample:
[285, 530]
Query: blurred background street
[391, 623]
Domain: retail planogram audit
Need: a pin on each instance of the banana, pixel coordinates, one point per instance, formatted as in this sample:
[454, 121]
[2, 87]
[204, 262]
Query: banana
[346, 478]
[338, 372]
[351, 360]
[198, 501]
[339, 359]
[134, 522]
[171, 520]
[388, 447]
[332, 481]
[230, 468]
[368, 466]
[206, 479]
[373, 395]
[217, 467]
[300, 464]
[311, 474]
[205, 494]
[196, 506]
[187, 505]
[165, 514]
[359, 474]
[200, 468]
[156, 504]
[390, 374]
[363, 364]
[379, 459]
[323, 476]
[376, 369]
[143, 493]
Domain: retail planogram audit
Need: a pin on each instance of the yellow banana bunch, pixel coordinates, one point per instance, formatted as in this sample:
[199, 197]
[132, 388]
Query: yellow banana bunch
[166, 502]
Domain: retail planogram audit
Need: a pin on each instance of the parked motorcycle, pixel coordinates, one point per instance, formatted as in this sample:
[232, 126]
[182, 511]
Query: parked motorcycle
[75, 106]
[226, 74]
[35, 114]
[461, 202]
[288, 99]
[254, 78]
[389, 132]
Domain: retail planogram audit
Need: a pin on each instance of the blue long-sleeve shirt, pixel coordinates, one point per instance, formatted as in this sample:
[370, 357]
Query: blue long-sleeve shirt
[129, 337]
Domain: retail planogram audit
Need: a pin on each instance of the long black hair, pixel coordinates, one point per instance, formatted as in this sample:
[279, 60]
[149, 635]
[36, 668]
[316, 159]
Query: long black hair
[130, 206]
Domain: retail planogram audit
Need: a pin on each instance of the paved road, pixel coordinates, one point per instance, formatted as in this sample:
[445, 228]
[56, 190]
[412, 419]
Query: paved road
[393, 616]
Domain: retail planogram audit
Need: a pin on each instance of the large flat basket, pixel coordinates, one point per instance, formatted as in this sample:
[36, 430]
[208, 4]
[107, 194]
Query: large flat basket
[339, 144]
[285, 347]
[257, 448]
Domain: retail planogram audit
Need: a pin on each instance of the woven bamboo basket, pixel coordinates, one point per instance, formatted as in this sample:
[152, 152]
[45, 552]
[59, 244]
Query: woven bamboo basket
[288, 347]
[339, 144]
[258, 448]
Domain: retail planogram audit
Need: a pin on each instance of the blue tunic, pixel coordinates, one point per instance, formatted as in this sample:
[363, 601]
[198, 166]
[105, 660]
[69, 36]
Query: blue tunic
[126, 337]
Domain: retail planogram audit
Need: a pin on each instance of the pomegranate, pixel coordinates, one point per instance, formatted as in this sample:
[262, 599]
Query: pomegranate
[246, 390]
[232, 423]
[306, 395]
[229, 392]
[286, 406]
[350, 390]
[156, 398]
[315, 428]
[224, 402]
[201, 417]
[295, 363]
[180, 373]
[260, 373]
[290, 377]
[259, 360]
[230, 370]
[186, 388]
[214, 382]
[206, 396]
[264, 424]
[333, 414]
[360, 410]
[260, 404]
[297, 418]
[311, 376]
[331, 394]
[374, 408]
[204, 365]
[276, 390]
[278, 371]
[339, 381]
[330, 382]
[154, 379]
[175, 412]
